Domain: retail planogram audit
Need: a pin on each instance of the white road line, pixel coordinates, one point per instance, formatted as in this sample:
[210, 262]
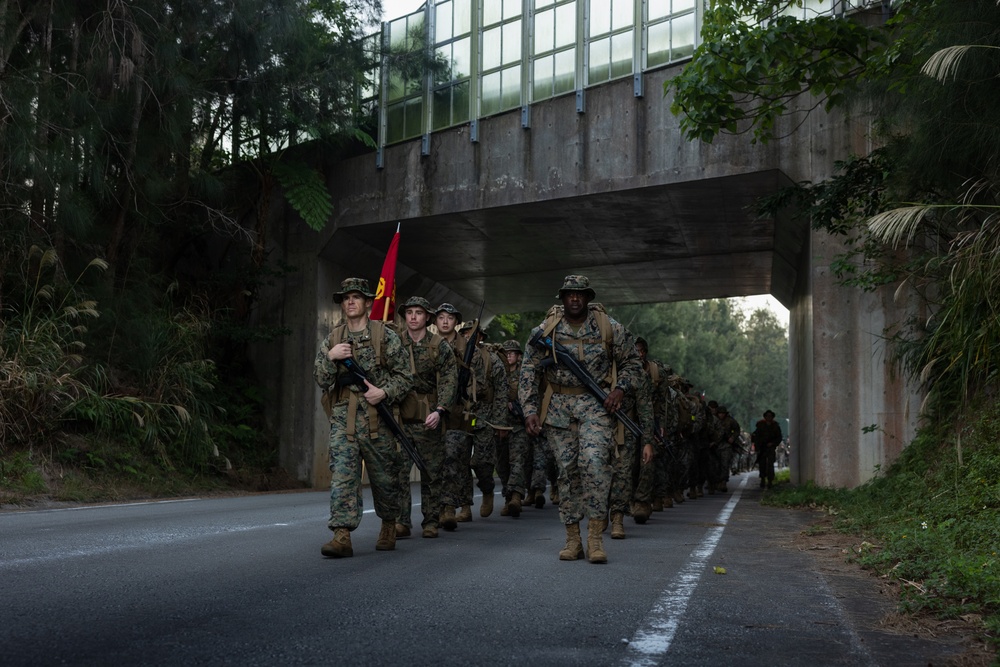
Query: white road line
[651, 642]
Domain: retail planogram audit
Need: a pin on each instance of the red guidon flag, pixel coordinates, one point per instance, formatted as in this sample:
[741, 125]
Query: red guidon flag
[385, 296]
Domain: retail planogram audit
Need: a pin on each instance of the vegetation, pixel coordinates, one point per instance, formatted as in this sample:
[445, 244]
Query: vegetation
[918, 214]
[137, 144]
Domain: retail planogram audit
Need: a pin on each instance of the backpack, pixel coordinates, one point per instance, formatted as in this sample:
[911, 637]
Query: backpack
[336, 337]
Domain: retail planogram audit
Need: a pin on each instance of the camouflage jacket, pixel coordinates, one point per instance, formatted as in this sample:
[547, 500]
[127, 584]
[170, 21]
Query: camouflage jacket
[392, 375]
[434, 371]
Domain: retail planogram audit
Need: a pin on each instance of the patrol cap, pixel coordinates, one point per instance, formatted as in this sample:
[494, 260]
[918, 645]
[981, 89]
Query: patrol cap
[575, 283]
[769, 412]
[417, 302]
[353, 285]
[722, 410]
[448, 308]
[512, 346]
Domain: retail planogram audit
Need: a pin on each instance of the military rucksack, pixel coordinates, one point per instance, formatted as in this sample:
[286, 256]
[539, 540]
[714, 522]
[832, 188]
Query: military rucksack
[336, 337]
[415, 406]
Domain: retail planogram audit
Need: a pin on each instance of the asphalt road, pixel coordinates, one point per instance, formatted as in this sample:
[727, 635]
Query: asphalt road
[241, 581]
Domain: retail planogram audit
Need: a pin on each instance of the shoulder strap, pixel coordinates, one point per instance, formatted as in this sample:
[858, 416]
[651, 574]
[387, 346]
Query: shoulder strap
[378, 339]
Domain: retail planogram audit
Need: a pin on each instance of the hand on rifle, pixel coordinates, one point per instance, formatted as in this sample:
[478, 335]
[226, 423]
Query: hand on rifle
[647, 453]
[432, 421]
[374, 395]
[339, 352]
[532, 425]
[614, 400]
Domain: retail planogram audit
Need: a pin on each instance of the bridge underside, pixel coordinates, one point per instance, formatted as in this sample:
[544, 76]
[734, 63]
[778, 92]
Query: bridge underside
[678, 242]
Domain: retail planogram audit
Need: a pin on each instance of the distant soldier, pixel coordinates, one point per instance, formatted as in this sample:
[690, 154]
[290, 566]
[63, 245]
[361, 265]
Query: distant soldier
[357, 433]
[766, 438]
[730, 445]
[512, 458]
[580, 428]
[423, 411]
[650, 478]
[628, 451]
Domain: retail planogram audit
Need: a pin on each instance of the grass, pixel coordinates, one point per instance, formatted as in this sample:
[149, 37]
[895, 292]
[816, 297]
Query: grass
[932, 520]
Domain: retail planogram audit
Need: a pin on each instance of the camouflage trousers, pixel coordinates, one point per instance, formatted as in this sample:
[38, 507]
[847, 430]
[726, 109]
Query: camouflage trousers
[622, 479]
[679, 468]
[652, 480]
[464, 453]
[543, 464]
[382, 461]
[583, 457]
[512, 462]
[430, 444]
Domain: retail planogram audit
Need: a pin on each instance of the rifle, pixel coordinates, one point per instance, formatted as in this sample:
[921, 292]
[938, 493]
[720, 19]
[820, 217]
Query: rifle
[517, 410]
[358, 377]
[466, 370]
[566, 358]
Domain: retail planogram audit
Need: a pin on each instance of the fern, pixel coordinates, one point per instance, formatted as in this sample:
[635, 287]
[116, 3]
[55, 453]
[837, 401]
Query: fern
[306, 191]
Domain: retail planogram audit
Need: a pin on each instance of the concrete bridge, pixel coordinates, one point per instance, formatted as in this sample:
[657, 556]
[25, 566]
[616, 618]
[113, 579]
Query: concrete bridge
[600, 183]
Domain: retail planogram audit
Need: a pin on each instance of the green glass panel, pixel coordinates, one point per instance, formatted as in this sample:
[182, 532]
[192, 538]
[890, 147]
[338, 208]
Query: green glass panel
[460, 103]
[600, 56]
[683, 37]
[565, 25]
[658, 44]
[463, 17]
[621, 54]
[413, 87]
[512, 42]
[511, 8]
[511, 87]
[543, 3]
[461, 55]
[414, 117]
[565, 72]
[658, 9]
[442, 108]
[813, 8]
[395, 123]
[396, 87]
[542, 88]
[491, 95]
[492, 48]
[397, 33]
[682, 6]
[624, 15]
[442, 23]
[544, 30]
[600, 17]
[444, 74]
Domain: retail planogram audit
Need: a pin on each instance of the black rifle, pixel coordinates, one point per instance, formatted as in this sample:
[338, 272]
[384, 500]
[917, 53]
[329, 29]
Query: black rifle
[465, 372]
[517, 410]
[358, 378]
[566, 358]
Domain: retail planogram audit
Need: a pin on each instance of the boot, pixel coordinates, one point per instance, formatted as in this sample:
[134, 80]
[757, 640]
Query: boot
[530, 498]
[678, 497]
[595, 544]
[657, 505]
[540, 500]
[700, 491]
[641, 511]
[464, 515]
[574, 546]
[505, 510]
[486, 508]
[447, 519]
[515, 504]
[668, 502]
[693, 493]
[340, 545]
[386, 537]
[554, 495]
[430, 530]
[402, 530]
[617, 526]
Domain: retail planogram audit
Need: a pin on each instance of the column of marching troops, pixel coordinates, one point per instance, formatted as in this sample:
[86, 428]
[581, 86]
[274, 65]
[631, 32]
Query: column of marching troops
[519, 414]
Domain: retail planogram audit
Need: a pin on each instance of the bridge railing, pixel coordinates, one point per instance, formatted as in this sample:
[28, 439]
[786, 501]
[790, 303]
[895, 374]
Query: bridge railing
[487, 57]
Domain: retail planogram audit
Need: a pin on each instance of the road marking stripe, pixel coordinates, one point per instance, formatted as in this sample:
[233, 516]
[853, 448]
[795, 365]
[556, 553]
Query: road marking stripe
[652, 641]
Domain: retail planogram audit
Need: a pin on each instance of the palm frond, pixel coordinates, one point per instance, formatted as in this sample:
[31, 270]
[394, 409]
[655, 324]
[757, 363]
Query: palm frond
[891, 226]
[944, 64]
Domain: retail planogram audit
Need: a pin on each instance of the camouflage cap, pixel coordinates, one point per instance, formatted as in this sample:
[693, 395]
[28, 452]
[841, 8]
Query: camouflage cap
[576, 284]
[353, 285]
[512, 346]
[448, 308]
[417, 302]
[722, 410]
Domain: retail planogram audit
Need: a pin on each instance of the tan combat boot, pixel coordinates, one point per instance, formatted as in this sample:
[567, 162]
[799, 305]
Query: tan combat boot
[515, 504]
[678, 497]
[464, 515]
[641, 511]
[617, 526]
[554, 495]
[430, 530]
[530, 498]
[505, 510]
[386, 537]
[574, 545]
[595, 543]
[402, 530]
[447, 519]
[668, 502]
[657, 504]
[539, 499]
[486, 508]
[340, 545]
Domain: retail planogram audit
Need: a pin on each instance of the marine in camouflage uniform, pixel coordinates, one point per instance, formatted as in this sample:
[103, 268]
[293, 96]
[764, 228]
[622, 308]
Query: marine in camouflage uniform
[423, 411]
[489, 402]
[357, 433]
[514, 450]
[468, 425]
[714, 470]
[637, 405]
[579, 428]
[651, 477]
[730, 446]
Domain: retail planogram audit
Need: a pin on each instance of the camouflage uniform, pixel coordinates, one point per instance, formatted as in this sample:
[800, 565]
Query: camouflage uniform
[356, 432]
[730, 444]
[514, 466]
[435, 380]
[766, 438]
[578, 428]
[651, 480]
[638, 406]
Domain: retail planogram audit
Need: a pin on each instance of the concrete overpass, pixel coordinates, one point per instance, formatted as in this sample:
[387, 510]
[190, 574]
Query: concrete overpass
[611, 190]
